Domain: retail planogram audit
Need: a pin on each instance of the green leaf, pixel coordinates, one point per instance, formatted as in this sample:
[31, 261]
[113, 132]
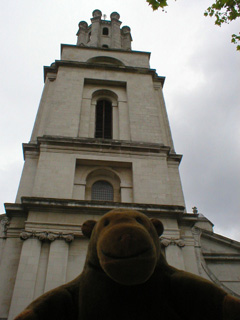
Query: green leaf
[224, 11]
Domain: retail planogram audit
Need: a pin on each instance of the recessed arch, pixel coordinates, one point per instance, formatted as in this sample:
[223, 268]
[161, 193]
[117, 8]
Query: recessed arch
[105, 60]
[103, 174]
[105, 94]
[101, 170]
[118, 174]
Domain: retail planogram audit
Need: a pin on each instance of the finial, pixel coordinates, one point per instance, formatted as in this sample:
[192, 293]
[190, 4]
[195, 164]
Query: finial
[195, 210]
[125, 29]
[115, 15]
[104, 16]
[83, 24]
[97, 13]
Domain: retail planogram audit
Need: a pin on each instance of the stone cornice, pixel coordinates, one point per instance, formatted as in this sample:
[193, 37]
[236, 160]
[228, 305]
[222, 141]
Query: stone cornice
[100, 144]
[217, 237]
[221, 256]
[190, 219]
[87, 206]
[105, 49]
[15, 209]
[100, 207]
[75, 64]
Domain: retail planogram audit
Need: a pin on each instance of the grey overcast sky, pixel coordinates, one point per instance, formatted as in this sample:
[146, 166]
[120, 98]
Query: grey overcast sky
[202, 89]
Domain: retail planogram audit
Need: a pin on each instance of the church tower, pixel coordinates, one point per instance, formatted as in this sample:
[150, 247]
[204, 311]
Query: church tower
[101, 140]
[102, 132]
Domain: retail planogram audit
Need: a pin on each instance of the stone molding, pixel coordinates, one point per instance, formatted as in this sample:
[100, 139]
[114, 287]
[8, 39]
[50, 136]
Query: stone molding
[172, 241]
[52, 76]
[46, 236]
[77, 64]
[89, 206]
[5, 222]
[67, 144]
[123, 145]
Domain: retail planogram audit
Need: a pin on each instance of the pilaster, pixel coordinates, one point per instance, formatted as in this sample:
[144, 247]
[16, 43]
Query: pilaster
[124, 126]
[173, 251]
[57, 264]
[8, 268]
[23, 292]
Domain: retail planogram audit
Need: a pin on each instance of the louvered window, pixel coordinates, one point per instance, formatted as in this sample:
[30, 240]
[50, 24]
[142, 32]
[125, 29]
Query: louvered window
[89, 36]
[105, 31]
[103, 127]
[102, 190]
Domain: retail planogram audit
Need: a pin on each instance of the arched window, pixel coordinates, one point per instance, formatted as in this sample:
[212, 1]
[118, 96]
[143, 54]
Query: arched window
[102, 178]
[104, 46]
[105, 31]
[102, 190]
[103, 127]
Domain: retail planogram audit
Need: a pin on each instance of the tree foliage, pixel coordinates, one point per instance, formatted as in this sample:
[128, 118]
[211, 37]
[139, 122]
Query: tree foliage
[224, 11]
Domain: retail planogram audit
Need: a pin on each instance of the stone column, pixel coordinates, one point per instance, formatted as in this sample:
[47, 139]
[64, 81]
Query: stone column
[57, 263]
[23, 292]
[42, 270]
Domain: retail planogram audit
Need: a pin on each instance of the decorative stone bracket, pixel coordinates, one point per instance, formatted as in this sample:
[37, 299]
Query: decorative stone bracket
[5, 222]
[46, 236]
[171, 241]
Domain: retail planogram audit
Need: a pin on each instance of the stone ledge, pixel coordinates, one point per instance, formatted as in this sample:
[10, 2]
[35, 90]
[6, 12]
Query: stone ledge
[101, 144]
[221, 257]
[104, 49]
[88, 206]
[217, 237]
[192, 218]
[53, 69]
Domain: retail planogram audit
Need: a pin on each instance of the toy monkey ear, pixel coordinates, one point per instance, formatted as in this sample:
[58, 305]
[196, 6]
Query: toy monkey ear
[158, 226]
[87, 228]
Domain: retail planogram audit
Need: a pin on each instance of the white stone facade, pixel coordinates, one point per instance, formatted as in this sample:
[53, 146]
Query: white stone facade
[41, 243]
